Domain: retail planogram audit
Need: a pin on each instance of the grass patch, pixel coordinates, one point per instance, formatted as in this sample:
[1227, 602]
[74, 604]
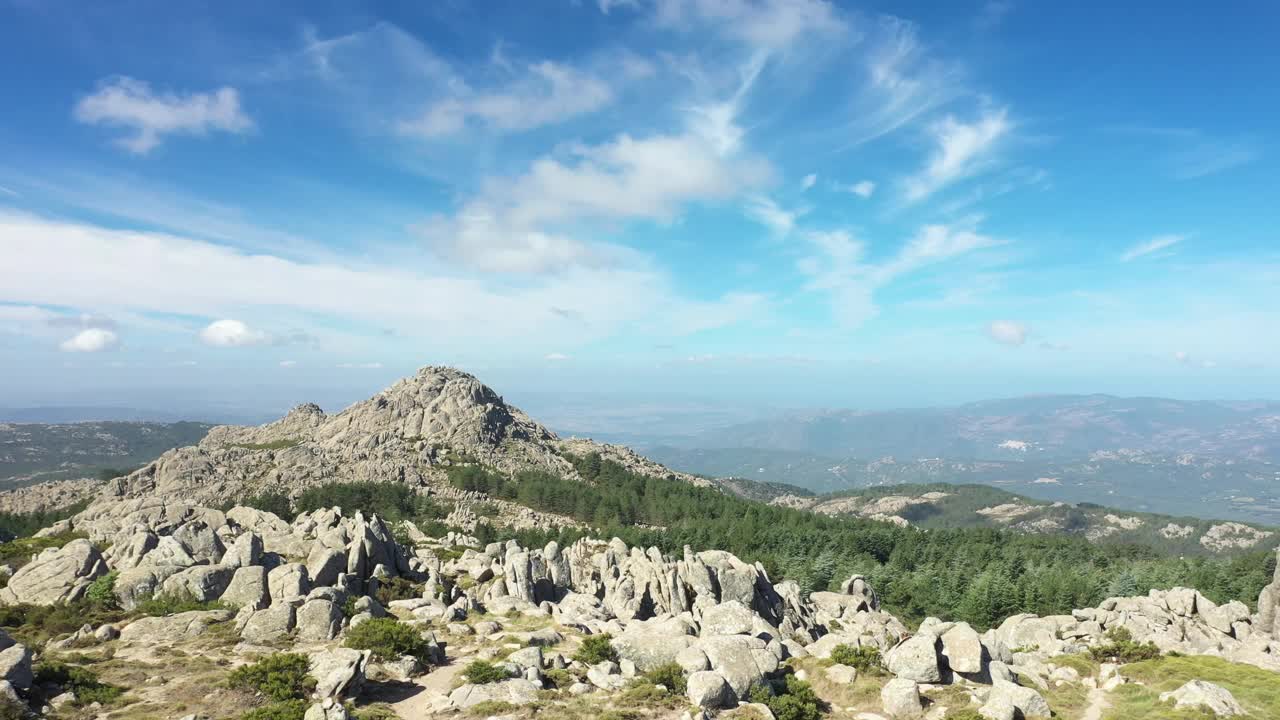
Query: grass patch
[283, 710]
[491, 707]
[174, 603]
[1257, 690]
[273, 445]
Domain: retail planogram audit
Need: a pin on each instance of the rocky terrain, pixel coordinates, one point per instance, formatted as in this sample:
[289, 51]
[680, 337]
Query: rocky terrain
[709, 625]
[168, 597]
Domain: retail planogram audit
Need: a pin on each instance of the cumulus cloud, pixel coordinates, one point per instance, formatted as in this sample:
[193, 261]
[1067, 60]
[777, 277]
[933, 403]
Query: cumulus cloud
[288, 363]
[767, 212]
[863, 189]
[1008, 332]
[808, 181]
[1154, 245]
[963, 149]
[91, 340]
[360, 366]
[556, 357]
[129, 103]
[232, 333]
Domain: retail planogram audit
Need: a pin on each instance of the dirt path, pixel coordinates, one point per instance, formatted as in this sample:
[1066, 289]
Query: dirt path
[1097, 703]
[433, 687]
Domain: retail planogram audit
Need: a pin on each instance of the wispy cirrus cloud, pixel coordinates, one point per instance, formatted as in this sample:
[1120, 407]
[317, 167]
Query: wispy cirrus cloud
[962, 150]
[1152, 246]
[129, 103]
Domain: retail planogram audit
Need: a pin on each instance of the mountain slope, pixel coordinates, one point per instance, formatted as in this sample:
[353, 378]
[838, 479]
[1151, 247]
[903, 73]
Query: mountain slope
[32, 452]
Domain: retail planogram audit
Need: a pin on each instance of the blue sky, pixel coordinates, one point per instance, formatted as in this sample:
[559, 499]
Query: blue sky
[790, 202]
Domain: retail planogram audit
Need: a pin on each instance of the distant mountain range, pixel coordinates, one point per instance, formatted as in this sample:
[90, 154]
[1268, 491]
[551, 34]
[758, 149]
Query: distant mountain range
[1203, 458]
[36, 452]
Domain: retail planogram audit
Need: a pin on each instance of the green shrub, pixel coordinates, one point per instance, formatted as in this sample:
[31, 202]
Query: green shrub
[272, 501]
[282, 676]
[479, 672]
[795, 700]
[1121, 648]
[34, 625]
[81, 681]
[388, 639]
[174, 603]
[865, 659]
[102, 592]
[559, 677]
[670, 675]
[22, 525]
[964, 714]
[396, 588]
[284, 710]
[596, 649]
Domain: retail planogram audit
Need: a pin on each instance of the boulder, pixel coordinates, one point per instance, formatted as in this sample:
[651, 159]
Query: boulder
[56, 575]
[326, 709]
[324, 565]
[171, 629]
[202, 582]
[901, 698]
[709, 689]
[269, 625]
[338, 672]
[248, 588]
[1200, 694]
[15, 667]
[963, 649]
[727, 618]
[318, 620]
[692, 660]
[742, 660]
[1026, 700]
[842, 674]
[288, 581]
[246, 550]
[916, 659]
[137, 584]
[650, 645]
[606, 676]
[516, 691]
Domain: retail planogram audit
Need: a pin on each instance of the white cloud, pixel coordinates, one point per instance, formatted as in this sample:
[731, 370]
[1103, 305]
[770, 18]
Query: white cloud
[68, 264]
[556, 357]
[767, 25]
[1008, 332]
[547, 93]
[361, 366]
[1153, 245]
[288, 363]
[232, 333]
[607, 5]
[962, 150]
[129, 103]
[1182, 356]
[10, 192]
[863, 189]
[837, 265]
[808, 181]
[91, 340]
[767, 212]
[904, 82]
[512, 227]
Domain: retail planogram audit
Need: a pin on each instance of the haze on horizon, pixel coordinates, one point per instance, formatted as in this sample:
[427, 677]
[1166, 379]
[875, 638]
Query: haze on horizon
[737, 203]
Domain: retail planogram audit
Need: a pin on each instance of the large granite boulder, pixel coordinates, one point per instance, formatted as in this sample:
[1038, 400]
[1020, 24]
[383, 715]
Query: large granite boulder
[56, 575]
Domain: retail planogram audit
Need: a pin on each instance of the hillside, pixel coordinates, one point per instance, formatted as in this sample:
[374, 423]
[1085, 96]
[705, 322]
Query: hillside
[1043, 427]
[1245, 490]
[34, 452]
[947, 505]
